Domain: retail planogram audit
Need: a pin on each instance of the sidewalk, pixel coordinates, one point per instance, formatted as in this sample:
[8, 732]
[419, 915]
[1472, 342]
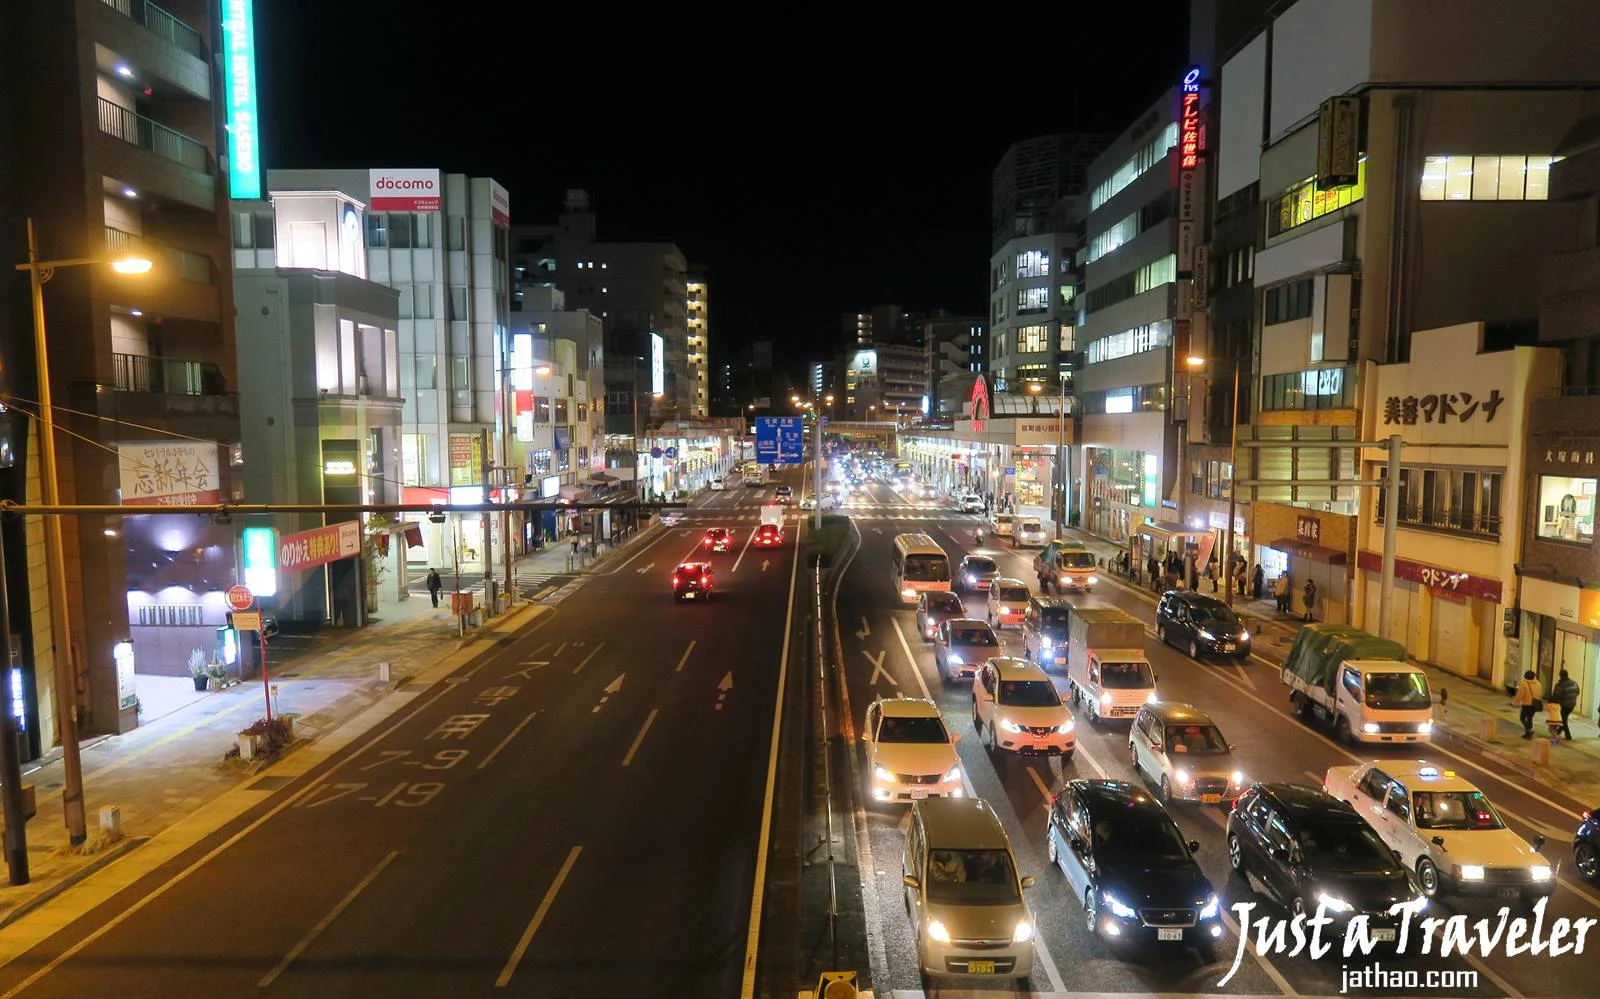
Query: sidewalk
[173, 766]
[1471, 714]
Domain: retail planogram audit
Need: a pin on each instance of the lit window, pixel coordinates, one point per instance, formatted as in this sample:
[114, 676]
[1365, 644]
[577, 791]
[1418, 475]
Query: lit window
[1033, 263]
[1486, 178]
[1303, 202]
[1566, 509]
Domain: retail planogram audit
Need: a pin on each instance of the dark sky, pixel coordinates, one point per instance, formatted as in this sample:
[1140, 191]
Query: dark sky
[813, 167]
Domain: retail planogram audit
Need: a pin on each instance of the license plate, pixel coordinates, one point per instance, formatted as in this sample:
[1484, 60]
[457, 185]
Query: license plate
[918, 793]
[980, 967]
[1211, 799]
[1383, 935]
[1509, 892]
[1061, 660]
[1169, 934]
[1227, 646]
[688, 596]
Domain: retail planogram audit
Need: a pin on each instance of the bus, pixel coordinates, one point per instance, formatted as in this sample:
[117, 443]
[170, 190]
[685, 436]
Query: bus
[919, 564]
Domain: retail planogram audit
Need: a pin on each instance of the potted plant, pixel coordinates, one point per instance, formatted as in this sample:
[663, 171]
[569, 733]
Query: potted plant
[218, 675]
[197, 670]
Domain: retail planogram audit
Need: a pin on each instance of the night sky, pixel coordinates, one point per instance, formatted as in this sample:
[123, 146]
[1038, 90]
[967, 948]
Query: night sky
[812, 171]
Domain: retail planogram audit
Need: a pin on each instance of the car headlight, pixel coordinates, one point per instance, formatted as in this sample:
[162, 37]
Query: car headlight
[1010, 726]
[1208, 636]
[1093, 580]
[1370, 728]
[1211, 908]
[1066, 580]
[1045, 642]
[1115, 905]
[1334, 903]
[955, 659]
[1181, 775]
[1244, 636]
[1152, 698]
[1539, 872]
[970, 580]
[1238, 778]
[1105, 698]
[1424, 728]
[954, 774]
[1065, 727]
[1470, 872]
[937, 932]
[881, 774]
[1023, 932]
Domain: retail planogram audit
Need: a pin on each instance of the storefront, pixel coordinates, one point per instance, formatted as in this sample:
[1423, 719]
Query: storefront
[1124, 489]
[1559, 630]
[1443, 616]
[1308, 545]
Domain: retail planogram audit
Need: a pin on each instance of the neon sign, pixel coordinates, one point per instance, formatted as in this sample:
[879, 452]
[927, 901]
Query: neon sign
[1189, 121]
[239, 69]
[980, 401]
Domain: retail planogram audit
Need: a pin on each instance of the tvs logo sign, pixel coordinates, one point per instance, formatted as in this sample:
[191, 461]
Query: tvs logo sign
[1191, 140]
[980, 403]
[408, 190]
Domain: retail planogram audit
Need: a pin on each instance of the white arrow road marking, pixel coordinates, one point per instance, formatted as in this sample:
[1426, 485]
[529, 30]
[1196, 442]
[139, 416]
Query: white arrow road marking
[877, 667]
[596, 652]
[685, 657]
[723, 688]
[645, 569]
[866, 629]
[528, 666]
[764, 563]
[611, 688]
[877, 530]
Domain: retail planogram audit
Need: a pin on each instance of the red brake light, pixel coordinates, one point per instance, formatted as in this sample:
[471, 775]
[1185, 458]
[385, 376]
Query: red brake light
[1586, 815]
[705, 580]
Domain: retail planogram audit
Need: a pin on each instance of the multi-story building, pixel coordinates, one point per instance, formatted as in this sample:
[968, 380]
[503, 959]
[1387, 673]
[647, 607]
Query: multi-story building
[955, 349]
[882, 324]
[1128, 313]
[882, 381]
[441, 240]
[697, 337]
[1376, 224]
[322, 411]
[640, 292]
[112, 142]
[558, 382]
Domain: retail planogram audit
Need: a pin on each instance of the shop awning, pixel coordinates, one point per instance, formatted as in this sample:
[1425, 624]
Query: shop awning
[1170, 534]
[1302, 549]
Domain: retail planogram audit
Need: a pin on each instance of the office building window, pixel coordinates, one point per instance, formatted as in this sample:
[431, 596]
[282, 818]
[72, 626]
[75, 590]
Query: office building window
[1447, 499]
[1486, 178]
[1324, 388]
[1069, 337]
[1032, 300]
[1303, 202]
[1149, 336]
[377, 229]
[1032, 339]
[458, 303]
[400, 230]
[1119, 233]
[1287, 302]
[1033, 263]
[1151, 276]
[1134, 167]
[427, 372]
[1566, 509]
[423, 301]
[1131, 399]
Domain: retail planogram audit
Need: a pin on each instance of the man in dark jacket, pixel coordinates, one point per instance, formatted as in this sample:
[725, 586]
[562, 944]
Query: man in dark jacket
[435, 584]
[1565, 693]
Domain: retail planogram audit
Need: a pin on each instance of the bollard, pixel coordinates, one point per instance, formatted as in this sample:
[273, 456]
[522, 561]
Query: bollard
[383, 672]
[1541, 752]
[1489, 730]
[30, 802]
[111, 823]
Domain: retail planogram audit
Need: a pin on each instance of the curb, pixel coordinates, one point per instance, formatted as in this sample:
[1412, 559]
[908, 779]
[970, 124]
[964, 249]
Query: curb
[102, 860]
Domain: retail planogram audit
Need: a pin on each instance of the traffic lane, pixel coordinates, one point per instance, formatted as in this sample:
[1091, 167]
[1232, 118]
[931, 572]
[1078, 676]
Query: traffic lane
[1017, 797]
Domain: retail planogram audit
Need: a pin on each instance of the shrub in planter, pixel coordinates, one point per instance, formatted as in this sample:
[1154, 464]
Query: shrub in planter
[198, 670]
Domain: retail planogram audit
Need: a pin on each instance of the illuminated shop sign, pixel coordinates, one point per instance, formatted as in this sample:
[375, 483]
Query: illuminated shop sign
[1189, 134]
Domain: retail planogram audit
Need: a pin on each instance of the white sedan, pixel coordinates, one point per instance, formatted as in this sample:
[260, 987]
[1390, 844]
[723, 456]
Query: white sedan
[1444, 829]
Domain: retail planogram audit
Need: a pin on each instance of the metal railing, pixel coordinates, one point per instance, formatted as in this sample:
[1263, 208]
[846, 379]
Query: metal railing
[1462, 521]
[142, 373]
[170, 262]
[137, 130]
[160, 23]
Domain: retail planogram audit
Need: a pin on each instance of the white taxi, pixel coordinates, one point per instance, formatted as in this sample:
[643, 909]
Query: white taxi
[910, 753]
[1014, 702]
[1444, 829]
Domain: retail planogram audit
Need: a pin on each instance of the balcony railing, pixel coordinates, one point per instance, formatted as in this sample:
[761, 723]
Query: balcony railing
[137, 130]
[160, 23]
[1478, 523]
[142, 373]
[170, 262]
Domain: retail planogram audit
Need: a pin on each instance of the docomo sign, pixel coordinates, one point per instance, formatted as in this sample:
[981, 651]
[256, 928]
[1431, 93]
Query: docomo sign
[319, 546]
[404, 190]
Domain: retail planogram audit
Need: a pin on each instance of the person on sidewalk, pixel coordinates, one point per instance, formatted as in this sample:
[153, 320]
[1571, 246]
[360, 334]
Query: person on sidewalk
[435, 584]
[1310, 597]
[1280, 592]
[1258, 582]
[1565, 694]
[1552, 718]
[1528, 700]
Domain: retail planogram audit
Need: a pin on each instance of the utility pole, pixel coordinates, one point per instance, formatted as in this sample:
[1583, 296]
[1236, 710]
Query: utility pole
[816, 479]
[1391, 527]
[1233, 494]
[1061, 452]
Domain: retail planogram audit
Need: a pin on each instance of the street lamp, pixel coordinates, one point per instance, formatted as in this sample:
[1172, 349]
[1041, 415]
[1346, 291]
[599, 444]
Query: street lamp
[1226, 565]
[39, 274]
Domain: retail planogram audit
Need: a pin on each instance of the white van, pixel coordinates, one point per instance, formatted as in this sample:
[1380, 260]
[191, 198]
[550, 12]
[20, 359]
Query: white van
[1028, 532]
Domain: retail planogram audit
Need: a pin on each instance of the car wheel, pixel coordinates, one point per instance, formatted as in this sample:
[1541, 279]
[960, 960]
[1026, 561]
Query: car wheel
[1341, 730]
[1091, 913]
[1166, 790]
[1208, 953]
[1194, 649]
[1583, 855]
[1050, 850]
[1133, 759]
[1235, 853]
[977, 723]
[1161, 633]
[994, 741]
[1427, 877]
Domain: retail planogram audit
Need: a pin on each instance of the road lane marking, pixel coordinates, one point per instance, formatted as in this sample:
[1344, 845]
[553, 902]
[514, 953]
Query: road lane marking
[325, 922]
[507, 740]
[605, 695]
[685, 657]
[1044, 789]
[866, 629]
[752, 940]
[596, 652]
[649, 720]
[538, 917]
[559, 649]
[877, 667]
[749, 538]
[723, 688]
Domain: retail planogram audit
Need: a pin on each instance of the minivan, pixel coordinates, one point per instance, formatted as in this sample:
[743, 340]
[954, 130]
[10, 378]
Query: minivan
[963, 894]
[1029, 533]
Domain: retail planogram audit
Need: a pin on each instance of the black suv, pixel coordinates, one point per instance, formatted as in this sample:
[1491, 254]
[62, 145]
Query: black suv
[692, 581]
[1129, 866]
[1308, 848]
[1203, 625]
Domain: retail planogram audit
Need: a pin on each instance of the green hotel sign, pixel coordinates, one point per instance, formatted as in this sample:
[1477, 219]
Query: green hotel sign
[239, 75]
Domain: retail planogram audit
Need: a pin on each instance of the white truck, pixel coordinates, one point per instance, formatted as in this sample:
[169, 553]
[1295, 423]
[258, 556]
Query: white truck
[1107, 671]
[1358, 683]
[772, 513]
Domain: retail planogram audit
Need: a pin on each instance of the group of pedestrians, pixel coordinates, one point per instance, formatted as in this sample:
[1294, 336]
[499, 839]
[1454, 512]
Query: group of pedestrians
[1557, 708]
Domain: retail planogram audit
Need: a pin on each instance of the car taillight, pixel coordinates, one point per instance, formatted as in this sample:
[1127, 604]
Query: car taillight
[705, 580]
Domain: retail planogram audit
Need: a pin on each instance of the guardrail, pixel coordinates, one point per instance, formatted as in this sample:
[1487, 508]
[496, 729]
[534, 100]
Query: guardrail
[819, 656]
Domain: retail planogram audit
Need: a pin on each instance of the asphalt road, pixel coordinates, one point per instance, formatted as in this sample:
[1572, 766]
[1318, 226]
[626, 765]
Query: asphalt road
[575, 814]
[1250, 706]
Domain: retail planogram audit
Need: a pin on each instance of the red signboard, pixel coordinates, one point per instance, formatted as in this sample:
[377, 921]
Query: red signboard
[980, 401]
[319, 546]
[240, 598]
[1446, 582]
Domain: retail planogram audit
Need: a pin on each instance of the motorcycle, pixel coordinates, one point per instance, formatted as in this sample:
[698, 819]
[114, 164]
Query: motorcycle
[977, 537]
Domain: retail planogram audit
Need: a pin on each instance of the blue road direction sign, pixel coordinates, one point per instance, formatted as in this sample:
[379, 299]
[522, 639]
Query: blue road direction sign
[780, 440]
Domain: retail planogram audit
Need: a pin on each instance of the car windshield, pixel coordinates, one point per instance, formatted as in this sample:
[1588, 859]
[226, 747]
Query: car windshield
[928, 568]
[1146, 835]
[1397, 690]
[716, 532]
[979, 563]
[944, 600]
[1013, 594]
[926, 729]
[1195, 740]
[1029, 694]
[1029, 525]
[1344, 846]
[1214, 613]
[1125, 676]
[1077, 560]
[1053, 620]
[1454, 810]
[973, 636]
[971, 877]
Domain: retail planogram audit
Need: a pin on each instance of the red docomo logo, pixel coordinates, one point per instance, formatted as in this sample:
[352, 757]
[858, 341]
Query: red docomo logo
[401, 184]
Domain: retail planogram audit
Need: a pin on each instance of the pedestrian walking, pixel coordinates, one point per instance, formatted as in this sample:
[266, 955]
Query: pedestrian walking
[575, 544]
[435, 584]
[1552, 719]
[1280, 592]
[1211, 574]
[1239, 575]
[1529, 701]
[1310, 597]
[1258, 582]
[1565, 694]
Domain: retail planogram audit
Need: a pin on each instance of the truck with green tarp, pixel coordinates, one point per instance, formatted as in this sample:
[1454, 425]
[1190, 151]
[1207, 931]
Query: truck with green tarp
[1359, 683]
